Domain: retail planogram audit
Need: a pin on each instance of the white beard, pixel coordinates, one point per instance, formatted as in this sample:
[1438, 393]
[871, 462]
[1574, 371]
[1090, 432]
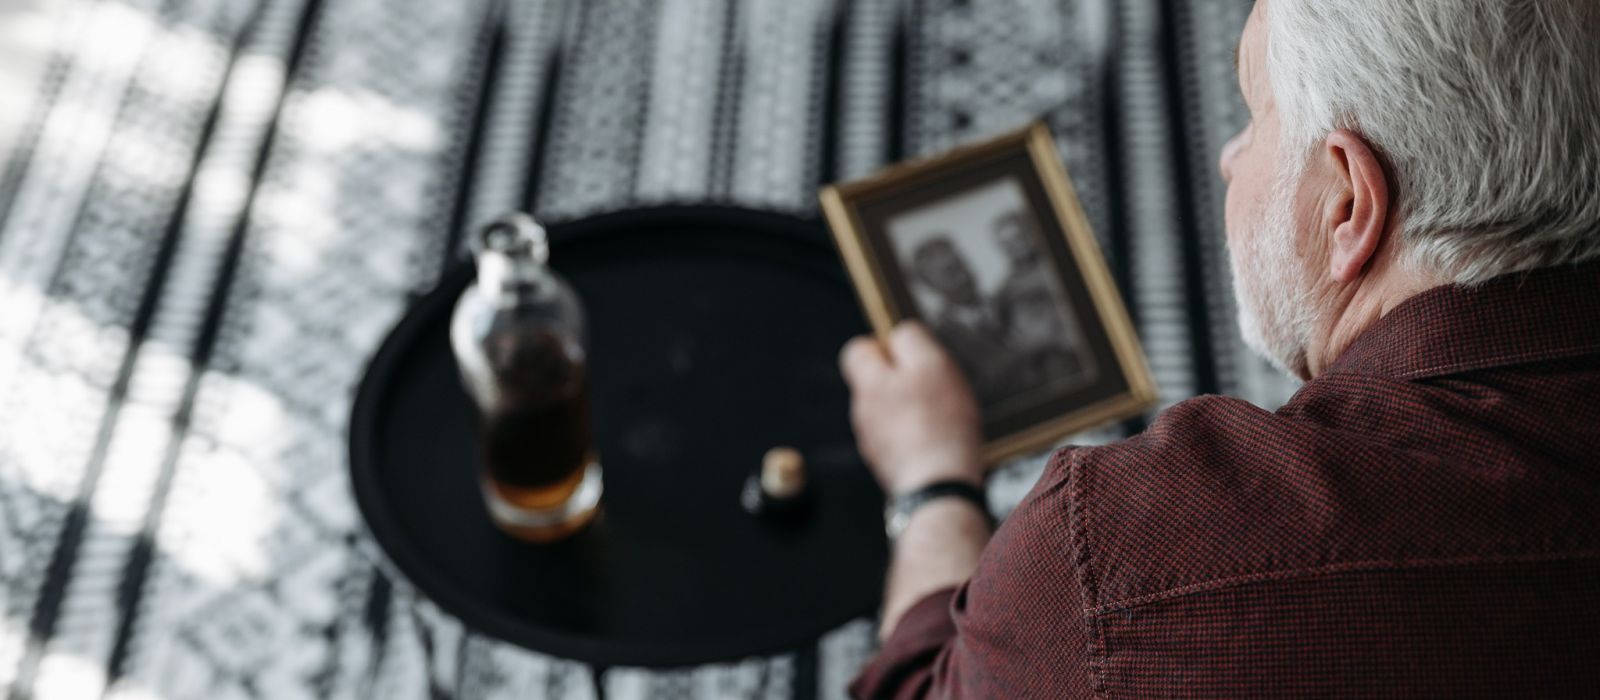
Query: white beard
[1277, 313]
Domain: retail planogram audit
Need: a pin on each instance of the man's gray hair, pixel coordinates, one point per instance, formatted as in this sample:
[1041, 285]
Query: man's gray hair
[1487, 112]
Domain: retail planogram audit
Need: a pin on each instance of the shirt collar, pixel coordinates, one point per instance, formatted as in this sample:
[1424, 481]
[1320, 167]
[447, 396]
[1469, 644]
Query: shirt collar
[1546, 314]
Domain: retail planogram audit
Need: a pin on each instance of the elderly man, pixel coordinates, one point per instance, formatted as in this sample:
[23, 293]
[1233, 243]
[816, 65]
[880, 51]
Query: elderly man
[1411, 213]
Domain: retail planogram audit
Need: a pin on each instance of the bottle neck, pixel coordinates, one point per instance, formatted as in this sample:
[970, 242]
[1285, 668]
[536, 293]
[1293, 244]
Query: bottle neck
[509, 279]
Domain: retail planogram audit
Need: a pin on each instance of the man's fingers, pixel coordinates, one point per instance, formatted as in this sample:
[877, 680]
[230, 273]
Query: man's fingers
[862, 357]
[912, 343]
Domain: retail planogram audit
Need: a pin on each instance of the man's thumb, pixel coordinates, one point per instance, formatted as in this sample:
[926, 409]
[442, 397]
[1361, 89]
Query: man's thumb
[911, 342]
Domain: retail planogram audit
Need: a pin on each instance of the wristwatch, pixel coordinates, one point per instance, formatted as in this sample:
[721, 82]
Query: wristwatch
[897, 513]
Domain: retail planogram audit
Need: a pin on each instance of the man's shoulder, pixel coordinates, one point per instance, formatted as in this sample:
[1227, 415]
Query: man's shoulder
[1219, 490]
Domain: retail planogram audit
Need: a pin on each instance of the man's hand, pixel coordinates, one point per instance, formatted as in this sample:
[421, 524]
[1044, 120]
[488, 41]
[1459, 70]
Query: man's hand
[917, 423]
[914, 415]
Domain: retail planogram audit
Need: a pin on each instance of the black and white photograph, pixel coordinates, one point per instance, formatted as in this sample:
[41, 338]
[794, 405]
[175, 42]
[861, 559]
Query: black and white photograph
[988, 247]
[989, 297]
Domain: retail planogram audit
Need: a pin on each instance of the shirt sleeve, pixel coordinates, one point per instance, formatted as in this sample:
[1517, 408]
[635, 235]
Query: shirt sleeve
[1016, 629]
[904, 666]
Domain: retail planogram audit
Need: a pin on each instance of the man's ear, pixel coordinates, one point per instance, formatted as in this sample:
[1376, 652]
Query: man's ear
[1358, 212]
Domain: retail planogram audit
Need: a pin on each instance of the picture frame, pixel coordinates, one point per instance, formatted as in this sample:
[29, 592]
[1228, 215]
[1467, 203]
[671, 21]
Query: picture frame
[1027, 308]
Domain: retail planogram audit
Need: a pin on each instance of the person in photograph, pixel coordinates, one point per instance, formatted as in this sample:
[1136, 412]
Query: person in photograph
[966, 323]
[1412, 216]
[1036, 324]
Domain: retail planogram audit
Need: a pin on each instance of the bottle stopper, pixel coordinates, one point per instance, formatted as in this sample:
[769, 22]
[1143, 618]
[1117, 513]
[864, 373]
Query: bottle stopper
[783, 473]
[511, 253]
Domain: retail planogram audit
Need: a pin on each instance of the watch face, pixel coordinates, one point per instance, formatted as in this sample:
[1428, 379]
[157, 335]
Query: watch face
[894, 521]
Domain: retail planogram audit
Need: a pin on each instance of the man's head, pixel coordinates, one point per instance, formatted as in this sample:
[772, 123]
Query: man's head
[1394, 146]
[1015, 235]
[938, 264]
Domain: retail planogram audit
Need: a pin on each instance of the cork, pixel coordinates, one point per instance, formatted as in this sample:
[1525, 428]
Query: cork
[783, 473]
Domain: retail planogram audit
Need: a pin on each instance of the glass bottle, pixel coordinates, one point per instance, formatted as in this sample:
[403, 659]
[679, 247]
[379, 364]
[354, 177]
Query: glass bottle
[518, 337]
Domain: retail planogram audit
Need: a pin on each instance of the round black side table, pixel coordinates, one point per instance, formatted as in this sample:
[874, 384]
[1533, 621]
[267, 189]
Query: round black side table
[713, 337]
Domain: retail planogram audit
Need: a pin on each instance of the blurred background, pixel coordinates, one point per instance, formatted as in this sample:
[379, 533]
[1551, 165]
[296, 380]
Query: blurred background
[24, 50]
[211, 212]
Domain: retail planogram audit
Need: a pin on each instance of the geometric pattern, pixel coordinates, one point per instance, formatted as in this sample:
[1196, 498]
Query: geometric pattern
[221, 206]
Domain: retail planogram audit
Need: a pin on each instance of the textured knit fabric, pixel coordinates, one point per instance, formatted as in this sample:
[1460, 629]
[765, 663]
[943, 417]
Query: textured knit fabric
[1421, 520]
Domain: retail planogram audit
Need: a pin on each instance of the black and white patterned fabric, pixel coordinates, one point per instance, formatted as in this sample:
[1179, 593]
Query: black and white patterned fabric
[220, 206]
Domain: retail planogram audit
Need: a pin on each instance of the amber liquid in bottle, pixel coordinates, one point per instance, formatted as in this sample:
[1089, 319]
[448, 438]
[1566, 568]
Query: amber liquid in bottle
[517, 334]
[537, 443]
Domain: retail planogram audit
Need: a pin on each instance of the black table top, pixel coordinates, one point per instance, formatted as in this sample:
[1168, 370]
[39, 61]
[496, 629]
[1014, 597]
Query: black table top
[713, 337]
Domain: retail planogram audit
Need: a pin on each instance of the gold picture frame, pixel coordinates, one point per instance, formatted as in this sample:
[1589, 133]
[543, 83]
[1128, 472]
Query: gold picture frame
[908, 211]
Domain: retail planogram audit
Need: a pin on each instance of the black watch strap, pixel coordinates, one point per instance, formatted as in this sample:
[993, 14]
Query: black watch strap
[897, 514]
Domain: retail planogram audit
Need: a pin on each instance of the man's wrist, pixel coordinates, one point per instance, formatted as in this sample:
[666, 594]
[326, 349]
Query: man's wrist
[909, 486]
[934, 469]
[965, 516]
[902, 507]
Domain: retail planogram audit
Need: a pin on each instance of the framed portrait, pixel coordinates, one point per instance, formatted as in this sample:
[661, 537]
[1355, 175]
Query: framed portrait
[988, 246]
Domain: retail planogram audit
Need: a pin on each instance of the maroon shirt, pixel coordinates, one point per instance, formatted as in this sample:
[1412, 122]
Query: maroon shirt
[1421, 520]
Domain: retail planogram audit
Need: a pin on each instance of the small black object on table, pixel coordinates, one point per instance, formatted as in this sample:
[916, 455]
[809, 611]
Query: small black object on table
[713, 337]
